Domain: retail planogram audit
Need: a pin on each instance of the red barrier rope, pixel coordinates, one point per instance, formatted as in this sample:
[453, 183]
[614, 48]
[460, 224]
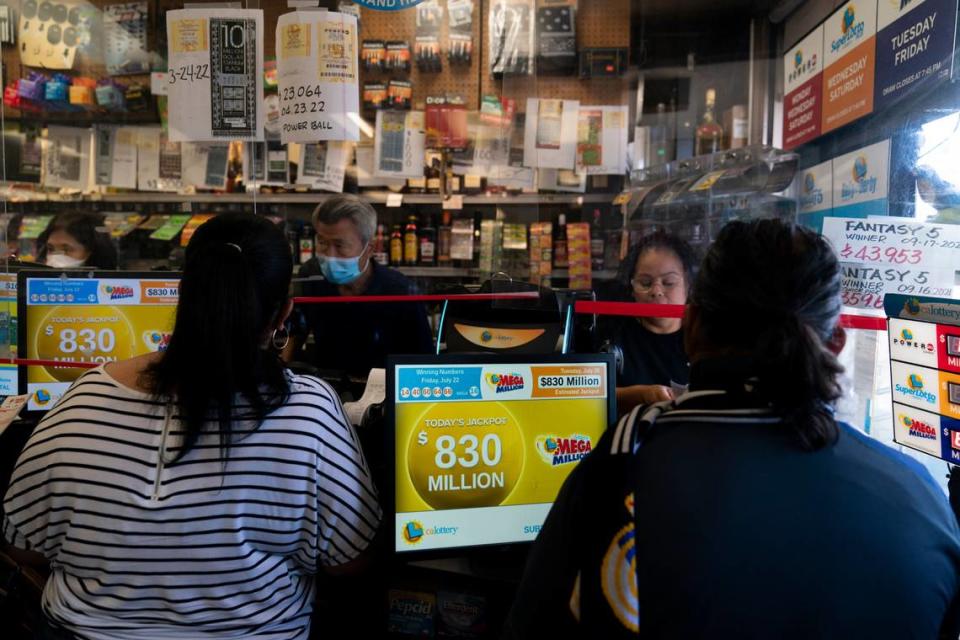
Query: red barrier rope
[638, 310]
[470, 297]
[27, 362]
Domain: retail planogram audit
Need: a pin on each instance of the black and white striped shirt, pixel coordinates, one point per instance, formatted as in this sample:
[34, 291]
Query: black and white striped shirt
[142, 549]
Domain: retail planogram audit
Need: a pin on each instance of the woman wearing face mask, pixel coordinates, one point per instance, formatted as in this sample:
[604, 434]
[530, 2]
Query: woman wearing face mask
[75, 239]
[355, 338]
[658, 270]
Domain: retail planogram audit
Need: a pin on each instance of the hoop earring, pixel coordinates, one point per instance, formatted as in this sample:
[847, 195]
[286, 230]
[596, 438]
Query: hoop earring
[280, 340]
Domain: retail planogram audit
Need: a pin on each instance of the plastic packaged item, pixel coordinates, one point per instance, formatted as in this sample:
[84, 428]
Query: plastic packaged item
[511, 37]
[57, 90]
[110, 96]
[400, 94]
[557, 38]
[373, 53]
[398, 57]
[374, 95]
[427, 45]
[460, 19]
[33, 87]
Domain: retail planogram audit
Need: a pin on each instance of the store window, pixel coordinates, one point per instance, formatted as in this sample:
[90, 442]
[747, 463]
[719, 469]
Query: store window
[473, 176]
[505, 147]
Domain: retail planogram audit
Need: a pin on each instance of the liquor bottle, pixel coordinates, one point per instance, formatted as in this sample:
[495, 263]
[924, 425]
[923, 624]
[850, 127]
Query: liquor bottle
[561, 259]
[380, 248]
[396, 245]
[306, 244]
[709, 136]
[428, 244]
[477, 224]
[597, 242]
[444, 239]
[410, 242]
[473, 184]
[660, 136]
[433, 179]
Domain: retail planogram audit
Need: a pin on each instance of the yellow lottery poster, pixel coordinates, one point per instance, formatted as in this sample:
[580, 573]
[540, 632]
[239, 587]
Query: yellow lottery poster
[91, 320]
[482, 450]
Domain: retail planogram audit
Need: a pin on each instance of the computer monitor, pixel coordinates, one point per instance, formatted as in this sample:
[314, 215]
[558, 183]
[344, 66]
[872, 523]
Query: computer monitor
[87, 317]
[482, 443]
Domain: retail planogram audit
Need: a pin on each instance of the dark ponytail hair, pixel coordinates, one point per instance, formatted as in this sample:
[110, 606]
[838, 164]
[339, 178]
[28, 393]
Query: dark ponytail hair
[87, 230]
[772, 290]
[235, 283]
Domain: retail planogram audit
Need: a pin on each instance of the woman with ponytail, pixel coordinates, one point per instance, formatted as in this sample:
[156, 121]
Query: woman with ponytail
[196, 493]
[743, 509]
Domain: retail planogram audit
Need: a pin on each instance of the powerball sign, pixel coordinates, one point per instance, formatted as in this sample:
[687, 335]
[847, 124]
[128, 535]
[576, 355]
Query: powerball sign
[91, 320]
[482, 450]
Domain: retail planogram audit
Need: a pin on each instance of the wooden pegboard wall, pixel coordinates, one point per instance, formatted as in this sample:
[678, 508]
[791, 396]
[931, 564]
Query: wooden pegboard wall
[451, 80]
[600, 23]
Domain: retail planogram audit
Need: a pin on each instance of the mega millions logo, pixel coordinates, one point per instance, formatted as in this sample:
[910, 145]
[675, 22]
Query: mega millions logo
[557, 451]
[915, 389]
[850, 29]
[504, 382]
[918, 428]
[156, 340]
[114, 292]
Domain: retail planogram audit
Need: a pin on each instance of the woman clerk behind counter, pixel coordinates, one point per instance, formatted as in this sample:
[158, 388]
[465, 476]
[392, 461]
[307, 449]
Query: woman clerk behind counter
[658, 270]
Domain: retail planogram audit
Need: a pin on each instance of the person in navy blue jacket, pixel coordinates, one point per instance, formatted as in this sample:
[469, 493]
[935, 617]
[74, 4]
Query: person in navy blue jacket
[743, 509]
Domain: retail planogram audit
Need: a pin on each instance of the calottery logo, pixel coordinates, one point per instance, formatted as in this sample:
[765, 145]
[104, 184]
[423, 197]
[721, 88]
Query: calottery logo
[557, 451]
[42, 397]
[115, 292]
[413, 532]
[914, 388]
[798, 59]
[912, 306]
[918, 428]
[503, 382]
[849, 27]
[906, 334]
[811, 195]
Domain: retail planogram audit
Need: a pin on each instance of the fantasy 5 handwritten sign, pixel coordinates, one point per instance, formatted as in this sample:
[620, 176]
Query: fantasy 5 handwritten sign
[924, 336]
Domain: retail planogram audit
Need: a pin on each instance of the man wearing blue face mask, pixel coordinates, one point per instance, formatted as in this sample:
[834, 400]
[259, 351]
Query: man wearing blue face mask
[354, 338]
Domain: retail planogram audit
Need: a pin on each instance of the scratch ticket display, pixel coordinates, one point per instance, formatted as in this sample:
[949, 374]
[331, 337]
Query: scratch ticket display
[317, 76]
[400, 144]
[215, 75]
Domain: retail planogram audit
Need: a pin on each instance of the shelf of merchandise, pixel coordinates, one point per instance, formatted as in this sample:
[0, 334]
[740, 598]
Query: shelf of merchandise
[374, 197]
